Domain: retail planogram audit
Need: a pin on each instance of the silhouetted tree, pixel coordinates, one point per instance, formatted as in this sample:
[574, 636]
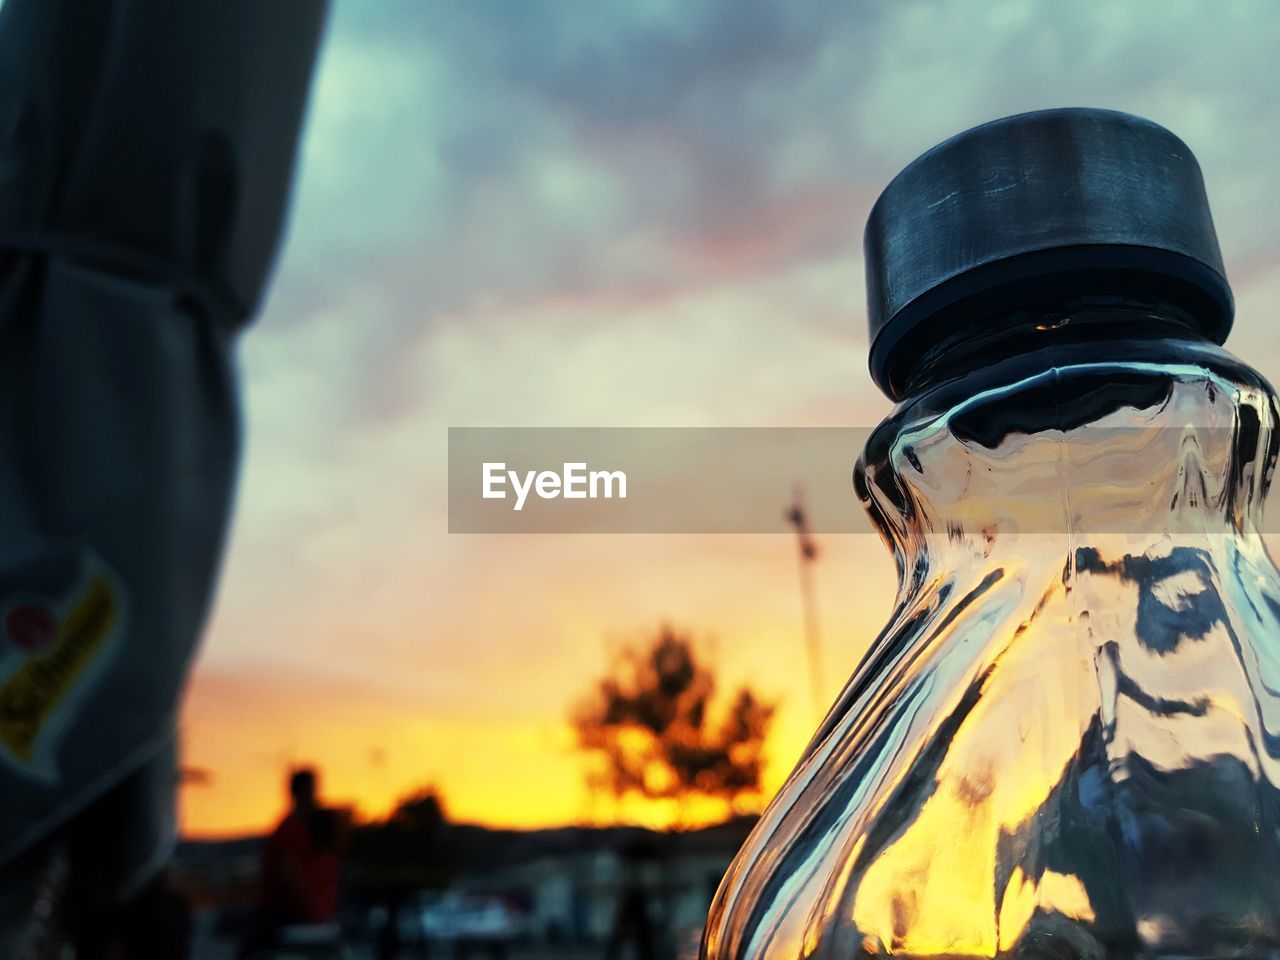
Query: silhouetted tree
[650, 722]
[413, 845]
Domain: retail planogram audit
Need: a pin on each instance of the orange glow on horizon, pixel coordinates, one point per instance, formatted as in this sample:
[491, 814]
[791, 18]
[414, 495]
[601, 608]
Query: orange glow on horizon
[487, 721]
[508, 776]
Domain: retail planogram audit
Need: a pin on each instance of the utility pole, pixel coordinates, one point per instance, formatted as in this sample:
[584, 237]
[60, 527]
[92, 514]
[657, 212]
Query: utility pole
[808, 555]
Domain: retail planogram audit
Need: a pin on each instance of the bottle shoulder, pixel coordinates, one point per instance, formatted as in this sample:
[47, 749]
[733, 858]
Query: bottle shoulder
[1153, 438]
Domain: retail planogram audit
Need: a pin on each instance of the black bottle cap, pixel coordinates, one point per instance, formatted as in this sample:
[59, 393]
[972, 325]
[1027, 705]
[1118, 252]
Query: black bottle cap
[1032, 208]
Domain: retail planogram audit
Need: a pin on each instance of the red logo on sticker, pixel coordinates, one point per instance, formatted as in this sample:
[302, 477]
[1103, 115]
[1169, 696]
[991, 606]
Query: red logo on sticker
[31, 627]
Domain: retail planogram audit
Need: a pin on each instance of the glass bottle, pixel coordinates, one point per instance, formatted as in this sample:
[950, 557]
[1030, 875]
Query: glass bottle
[1066, 741]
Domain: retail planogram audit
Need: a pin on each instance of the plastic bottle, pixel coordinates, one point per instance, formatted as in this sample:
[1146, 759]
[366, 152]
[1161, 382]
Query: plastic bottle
[1066, 741]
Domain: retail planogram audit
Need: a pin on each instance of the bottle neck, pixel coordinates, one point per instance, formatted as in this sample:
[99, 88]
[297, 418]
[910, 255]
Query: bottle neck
[995, 333]
[1091, 422]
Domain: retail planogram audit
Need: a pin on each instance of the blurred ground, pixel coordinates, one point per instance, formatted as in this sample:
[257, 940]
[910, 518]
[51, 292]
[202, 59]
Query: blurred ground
[209, 948]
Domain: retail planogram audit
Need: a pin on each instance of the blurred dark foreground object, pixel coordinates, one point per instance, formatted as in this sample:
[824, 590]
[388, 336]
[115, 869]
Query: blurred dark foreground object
[146, 152]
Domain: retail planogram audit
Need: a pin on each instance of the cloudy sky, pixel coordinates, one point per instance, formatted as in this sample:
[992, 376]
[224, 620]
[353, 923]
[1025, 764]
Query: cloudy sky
[573, 214]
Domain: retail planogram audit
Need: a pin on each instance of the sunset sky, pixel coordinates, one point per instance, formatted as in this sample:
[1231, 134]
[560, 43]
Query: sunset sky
[572, 214]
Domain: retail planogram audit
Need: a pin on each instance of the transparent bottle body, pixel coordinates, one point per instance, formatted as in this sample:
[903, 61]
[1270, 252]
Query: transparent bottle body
[1066, 741]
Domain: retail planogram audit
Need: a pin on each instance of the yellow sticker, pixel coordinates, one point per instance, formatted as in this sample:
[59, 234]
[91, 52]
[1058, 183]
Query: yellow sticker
[32, 695]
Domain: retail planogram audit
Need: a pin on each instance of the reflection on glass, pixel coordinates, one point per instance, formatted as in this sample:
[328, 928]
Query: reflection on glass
[1066, 742]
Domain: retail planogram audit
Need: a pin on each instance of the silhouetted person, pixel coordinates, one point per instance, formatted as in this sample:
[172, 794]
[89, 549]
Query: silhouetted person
[300, 861]
[631, 924]
[387, 945]
[301, 865]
